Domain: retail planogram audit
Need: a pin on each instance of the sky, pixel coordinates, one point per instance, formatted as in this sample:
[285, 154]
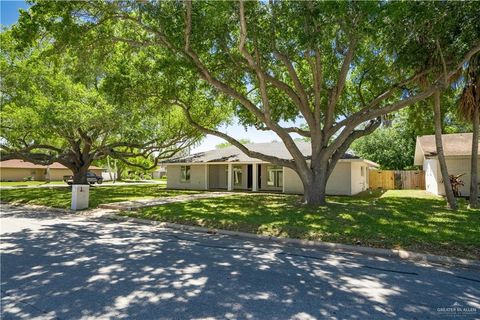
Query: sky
[9, 12]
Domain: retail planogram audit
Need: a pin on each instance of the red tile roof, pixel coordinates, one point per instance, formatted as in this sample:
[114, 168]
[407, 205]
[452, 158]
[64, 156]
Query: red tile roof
[15, 163]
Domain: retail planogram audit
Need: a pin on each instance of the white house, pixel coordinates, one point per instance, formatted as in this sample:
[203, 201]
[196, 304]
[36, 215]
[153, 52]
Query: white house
[458, 151]
[230, 169]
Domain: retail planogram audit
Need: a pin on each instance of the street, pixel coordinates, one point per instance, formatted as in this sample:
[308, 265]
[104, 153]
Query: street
[62, 266]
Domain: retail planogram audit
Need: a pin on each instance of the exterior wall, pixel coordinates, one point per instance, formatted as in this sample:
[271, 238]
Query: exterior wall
[339, 182]
[458, 166]
[19, 174]
[432, 170]
[197, 177]
[217, 176]
[455, 166]
[358, 181]
[14, 174]
[292, 182]
[57, 174]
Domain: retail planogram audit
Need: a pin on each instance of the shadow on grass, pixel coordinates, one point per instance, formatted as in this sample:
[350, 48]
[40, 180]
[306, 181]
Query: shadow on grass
[414, 223]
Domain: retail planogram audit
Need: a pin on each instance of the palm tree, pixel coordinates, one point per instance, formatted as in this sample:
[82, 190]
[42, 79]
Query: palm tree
[469, 109]
[452, 203]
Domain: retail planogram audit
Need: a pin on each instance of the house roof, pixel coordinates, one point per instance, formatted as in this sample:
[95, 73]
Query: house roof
[233, 154]
[20, 164]
[455, 144]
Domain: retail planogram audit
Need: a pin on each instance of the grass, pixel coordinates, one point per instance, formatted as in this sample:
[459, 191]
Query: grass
[27, 183]
[60, 197]
[402, 219]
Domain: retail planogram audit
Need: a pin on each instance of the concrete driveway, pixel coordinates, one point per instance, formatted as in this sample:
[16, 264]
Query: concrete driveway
[55, 266]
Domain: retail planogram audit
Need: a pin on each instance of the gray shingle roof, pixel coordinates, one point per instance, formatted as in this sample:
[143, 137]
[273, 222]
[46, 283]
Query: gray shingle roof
[456, 144]
[233, 154]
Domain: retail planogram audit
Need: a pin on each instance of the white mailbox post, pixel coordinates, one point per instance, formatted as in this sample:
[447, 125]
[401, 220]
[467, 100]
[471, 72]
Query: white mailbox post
[80, 194]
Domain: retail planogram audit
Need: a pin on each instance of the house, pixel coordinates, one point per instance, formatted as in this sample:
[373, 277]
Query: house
[160, 173]
[457, 148]
[231, 169]
[19, 170]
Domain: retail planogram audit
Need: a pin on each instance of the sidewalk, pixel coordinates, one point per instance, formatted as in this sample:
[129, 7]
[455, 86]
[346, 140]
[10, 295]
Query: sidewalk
[64, 185]
[143, 203]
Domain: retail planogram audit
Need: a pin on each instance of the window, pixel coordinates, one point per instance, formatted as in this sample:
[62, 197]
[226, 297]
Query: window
[185, 173]
[275, 176]
[237, 175]
[362, 171]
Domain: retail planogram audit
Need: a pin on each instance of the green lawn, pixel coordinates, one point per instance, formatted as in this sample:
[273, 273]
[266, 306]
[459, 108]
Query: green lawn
[406, 219]
[27, 183]
[60, 197]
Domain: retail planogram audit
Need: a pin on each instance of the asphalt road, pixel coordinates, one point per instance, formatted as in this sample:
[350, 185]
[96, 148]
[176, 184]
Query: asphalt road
[66, 267]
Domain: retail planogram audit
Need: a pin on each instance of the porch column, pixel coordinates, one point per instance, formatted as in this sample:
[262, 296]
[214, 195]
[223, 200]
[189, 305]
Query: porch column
[230, 177]
[255, 177]
[283, 179]
[206, 177]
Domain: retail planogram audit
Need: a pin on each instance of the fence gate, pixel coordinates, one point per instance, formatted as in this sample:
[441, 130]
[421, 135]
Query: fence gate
[381, 179]
[390, 179]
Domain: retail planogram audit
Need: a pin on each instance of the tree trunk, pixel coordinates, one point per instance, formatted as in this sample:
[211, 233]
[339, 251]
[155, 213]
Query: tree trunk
[80, 175]
[314, 190]
[119, 174]
[474, 160]
[440, 155]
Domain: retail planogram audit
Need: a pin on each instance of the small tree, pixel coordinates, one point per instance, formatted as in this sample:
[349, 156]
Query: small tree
[470, 110]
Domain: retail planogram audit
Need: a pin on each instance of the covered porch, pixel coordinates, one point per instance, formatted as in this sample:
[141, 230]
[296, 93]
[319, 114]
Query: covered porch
[244, 176]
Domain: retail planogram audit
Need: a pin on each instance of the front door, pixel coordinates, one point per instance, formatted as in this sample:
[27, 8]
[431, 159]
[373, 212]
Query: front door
[259, 172]
[249, 176]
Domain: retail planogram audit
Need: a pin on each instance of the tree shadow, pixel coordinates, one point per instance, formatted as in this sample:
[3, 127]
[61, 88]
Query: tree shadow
[84, 268]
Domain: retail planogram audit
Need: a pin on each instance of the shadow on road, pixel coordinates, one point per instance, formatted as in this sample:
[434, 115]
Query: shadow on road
[56, 268]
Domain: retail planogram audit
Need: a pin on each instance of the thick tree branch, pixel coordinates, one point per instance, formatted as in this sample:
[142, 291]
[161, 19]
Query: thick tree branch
[338, 154]
[236, 143]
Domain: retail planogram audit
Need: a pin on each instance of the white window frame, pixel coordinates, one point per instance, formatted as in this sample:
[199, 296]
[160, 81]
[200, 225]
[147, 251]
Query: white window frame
[277, 174]
[185, 173]
[237, 175]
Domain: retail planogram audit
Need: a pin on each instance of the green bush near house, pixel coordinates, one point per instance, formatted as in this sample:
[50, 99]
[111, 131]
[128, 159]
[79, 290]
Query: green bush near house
[402, 219]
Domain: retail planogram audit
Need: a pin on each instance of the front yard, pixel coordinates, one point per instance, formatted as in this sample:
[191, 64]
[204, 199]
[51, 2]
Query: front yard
[407, 219]
[60, 197]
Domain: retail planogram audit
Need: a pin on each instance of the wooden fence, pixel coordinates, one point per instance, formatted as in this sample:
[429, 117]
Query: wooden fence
[390, 179]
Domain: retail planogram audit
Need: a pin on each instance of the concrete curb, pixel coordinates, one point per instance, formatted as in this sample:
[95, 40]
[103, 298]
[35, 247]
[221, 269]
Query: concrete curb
[336, 247]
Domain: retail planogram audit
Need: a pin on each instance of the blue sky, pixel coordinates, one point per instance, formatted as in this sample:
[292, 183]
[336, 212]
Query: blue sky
[9, 15]
[9, 11]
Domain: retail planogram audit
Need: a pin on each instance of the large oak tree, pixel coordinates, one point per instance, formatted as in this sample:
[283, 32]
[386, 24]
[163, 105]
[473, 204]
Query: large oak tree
[56, 109]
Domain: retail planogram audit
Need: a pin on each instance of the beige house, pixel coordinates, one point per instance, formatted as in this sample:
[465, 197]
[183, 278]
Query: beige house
[231, 169]
[19, 170]
[458, 151]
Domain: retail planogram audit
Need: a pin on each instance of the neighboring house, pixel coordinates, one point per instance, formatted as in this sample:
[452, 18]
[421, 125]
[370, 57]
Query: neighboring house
[159, 173]
[231, 169]
[19, 170]
[457, 148]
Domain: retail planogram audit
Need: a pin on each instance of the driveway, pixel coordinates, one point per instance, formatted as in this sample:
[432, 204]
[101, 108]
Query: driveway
[73, 267]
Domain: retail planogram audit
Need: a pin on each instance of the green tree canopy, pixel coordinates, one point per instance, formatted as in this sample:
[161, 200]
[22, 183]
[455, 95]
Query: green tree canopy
[337, 66]
[56, 109]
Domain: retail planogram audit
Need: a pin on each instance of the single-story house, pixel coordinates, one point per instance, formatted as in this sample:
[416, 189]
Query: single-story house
[457, 148]
[19, 170]
[230, 169]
